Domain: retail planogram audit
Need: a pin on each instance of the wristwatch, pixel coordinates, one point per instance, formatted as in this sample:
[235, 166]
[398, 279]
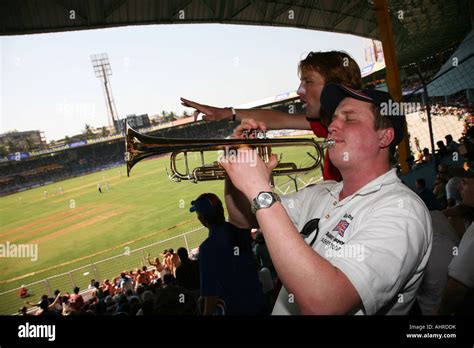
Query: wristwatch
[264, 200]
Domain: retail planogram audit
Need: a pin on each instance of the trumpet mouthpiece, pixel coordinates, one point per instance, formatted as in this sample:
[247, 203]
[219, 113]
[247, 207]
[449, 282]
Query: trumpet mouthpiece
[330, 142]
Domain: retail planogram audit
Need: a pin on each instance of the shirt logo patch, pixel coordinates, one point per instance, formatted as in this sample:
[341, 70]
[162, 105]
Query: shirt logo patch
[341, 227]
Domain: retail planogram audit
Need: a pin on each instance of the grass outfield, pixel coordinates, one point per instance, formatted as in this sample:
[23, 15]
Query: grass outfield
[82, 226]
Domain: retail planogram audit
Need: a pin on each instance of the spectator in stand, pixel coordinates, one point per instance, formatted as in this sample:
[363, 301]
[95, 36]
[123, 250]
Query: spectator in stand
[170, 260]
[148, 304]
[140, 278]
[66, 306]
[445, 239]
[23, 311]
[174, 261]
[174, 299]
[168, 280]
[46, 308]
[148, 274]
[442, 150]
[125, 283]
[458, 294]
[426, 195]
[427, 157]
[98, 289]
[76, 300]
[43, 305]
[157, 263]
[451, 145]
[91, 284]
[59, 305]
[107, 286]
[417, 144]
[228, 271]
[167, 262]
[187, 273]
[419, 158]
[411, 162]
[135, 306]
[439, 188]
[453, 196]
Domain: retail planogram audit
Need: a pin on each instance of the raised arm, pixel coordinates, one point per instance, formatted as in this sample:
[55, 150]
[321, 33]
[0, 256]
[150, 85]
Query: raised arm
[148, 260]
[51, 306]
[273, 119]
[238, 207]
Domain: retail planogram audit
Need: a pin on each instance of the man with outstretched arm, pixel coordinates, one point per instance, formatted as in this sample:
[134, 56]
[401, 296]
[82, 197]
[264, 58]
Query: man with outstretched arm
[365, 241]
[317, 69]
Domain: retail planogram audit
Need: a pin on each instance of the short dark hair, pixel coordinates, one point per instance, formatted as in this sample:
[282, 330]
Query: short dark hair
[215, 217]
[183, 254]
[76, 290]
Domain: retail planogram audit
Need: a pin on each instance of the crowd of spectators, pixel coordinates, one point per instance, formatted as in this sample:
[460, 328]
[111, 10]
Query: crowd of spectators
[448, 280]
[169, 285]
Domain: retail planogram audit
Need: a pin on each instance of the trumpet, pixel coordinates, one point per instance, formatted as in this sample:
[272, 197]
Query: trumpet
[139, 146]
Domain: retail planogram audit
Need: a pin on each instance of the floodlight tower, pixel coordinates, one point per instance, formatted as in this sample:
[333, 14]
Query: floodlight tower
[102, 70]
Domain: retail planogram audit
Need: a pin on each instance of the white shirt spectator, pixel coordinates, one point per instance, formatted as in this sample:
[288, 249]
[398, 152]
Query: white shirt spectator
[380, 238]
[126, 284]
[461, 267]
[445, 239]
[452, 190]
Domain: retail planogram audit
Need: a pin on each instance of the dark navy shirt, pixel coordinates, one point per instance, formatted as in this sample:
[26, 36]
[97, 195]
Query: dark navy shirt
[228, 270]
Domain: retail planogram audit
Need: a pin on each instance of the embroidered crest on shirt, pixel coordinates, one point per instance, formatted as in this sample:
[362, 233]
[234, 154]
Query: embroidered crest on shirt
[342, 225]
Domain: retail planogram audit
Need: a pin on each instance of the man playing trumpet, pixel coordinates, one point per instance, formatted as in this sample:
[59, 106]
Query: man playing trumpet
[366, 240]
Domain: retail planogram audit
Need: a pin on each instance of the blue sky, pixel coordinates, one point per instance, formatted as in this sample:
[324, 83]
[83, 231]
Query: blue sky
[47, 81]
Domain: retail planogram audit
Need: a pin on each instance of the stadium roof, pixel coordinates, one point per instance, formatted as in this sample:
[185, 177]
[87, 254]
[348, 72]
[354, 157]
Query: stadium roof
[421, 27]
[457, 73]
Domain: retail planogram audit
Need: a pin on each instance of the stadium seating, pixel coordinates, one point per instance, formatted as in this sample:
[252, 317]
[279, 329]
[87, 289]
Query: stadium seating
[43, 169]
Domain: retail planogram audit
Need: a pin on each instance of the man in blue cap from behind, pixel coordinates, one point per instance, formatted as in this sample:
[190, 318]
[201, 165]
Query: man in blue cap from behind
[228, 272]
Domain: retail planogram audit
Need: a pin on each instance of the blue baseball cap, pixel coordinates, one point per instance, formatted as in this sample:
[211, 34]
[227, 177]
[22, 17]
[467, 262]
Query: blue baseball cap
[205, 204]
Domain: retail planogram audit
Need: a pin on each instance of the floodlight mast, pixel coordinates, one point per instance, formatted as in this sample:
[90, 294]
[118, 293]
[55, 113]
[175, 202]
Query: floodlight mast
[102, 70]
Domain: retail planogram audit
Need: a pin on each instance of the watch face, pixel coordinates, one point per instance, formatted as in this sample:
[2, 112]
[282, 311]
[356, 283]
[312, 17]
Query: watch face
[265, 199]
